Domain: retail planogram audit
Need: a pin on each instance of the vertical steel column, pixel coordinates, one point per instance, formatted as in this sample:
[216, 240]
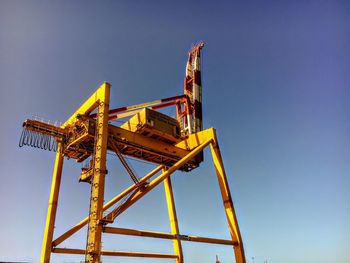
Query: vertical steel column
[173, 218]
[98, 180]
[227, 201]
[52, 207]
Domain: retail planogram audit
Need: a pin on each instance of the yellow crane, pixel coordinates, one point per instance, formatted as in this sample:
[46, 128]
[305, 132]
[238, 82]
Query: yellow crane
[170, 143]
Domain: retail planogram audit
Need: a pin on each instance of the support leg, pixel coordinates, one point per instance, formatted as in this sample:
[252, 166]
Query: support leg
[173, 219]
[52, 208]
[227, 200]
[98, 180]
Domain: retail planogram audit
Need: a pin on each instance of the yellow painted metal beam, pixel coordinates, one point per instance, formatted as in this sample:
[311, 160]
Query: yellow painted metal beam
[86, 108]
[89, 105]
[108, 205]
[196, 139]
[227, 201]
[52, 207]
[146, 144]
[151, 234]
[101, 100]
[114, 253]
[174, 226]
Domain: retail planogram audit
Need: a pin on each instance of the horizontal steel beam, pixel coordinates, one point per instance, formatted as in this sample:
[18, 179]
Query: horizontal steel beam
[114, 253]
[143, 143]
[142, 233]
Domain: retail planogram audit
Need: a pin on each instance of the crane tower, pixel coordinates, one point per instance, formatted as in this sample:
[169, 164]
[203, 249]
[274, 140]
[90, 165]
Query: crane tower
[170, 143]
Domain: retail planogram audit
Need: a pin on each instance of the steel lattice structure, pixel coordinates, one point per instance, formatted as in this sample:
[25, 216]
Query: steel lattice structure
[171, 144]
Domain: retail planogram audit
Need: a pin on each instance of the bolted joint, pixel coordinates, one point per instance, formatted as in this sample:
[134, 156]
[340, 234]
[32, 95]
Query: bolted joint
[98, 170]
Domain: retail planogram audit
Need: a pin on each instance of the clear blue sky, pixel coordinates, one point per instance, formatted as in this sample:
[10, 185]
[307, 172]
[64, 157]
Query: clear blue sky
[275, 85]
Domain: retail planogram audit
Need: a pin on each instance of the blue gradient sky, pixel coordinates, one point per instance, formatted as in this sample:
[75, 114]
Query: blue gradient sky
[275, 85]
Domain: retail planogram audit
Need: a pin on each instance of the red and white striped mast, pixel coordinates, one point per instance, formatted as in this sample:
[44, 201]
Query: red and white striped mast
[193, 90]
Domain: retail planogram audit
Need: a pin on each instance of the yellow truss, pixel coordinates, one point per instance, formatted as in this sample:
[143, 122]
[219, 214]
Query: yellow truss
[192, 146]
